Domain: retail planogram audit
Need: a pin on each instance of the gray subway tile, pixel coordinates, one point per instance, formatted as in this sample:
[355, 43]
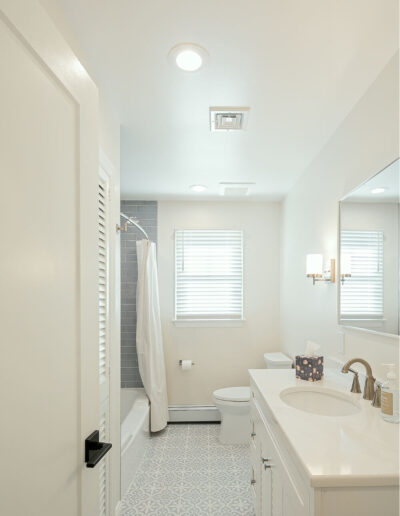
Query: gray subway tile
[146, 212]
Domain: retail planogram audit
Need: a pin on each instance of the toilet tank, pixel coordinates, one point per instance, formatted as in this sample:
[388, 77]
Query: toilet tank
[277, 361]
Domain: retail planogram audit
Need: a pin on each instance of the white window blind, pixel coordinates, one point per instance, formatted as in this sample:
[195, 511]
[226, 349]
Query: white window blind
[361, 295]
[208, 274]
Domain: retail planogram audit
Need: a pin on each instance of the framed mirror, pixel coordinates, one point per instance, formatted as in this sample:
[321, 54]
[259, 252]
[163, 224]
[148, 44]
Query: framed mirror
[369, 254]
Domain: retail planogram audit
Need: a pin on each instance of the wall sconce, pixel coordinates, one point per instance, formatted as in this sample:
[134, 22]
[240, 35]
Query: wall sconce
[316, 271]
[345, 267]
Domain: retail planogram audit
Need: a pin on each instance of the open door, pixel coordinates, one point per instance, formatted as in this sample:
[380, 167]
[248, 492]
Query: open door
[49, 304]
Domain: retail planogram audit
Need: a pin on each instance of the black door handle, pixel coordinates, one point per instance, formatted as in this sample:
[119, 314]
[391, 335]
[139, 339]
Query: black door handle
[95, 450]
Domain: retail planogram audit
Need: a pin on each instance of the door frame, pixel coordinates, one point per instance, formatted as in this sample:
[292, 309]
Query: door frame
[30, 23]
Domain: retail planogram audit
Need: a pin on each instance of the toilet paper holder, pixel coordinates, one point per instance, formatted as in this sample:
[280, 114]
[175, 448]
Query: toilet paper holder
[180, 363]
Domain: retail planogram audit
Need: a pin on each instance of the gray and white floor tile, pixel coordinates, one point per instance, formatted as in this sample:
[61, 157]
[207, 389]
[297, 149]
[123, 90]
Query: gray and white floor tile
[185, 471]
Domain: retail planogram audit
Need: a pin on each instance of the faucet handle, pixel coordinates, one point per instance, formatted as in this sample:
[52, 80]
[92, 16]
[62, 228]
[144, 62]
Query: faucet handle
[376, 402]
[355, 386]
[369, 388]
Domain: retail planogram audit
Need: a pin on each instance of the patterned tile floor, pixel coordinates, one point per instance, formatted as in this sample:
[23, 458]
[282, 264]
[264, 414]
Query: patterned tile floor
[186, 472]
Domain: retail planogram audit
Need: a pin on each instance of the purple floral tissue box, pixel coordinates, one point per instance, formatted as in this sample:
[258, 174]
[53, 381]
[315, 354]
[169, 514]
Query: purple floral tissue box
[309, 368]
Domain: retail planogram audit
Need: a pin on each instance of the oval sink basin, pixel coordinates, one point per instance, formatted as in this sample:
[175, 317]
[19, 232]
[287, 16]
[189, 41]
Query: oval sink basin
[324, 402]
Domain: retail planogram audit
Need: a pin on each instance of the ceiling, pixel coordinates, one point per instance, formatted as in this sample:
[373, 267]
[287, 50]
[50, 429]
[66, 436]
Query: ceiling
[388, 178]
[299, 65]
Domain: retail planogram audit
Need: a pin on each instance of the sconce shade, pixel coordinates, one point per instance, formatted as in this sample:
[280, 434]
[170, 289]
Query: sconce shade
[314, 265]
[345, 265]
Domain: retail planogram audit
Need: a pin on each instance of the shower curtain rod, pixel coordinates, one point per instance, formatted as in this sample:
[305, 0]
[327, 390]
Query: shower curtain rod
[131, 221]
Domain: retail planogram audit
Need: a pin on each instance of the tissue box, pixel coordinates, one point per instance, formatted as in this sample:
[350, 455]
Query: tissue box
[309, 368]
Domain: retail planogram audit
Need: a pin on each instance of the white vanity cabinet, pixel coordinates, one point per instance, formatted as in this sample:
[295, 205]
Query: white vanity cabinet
[282, 487]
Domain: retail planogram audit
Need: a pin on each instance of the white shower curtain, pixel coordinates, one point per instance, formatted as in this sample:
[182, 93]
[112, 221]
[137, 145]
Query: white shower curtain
[149, 343]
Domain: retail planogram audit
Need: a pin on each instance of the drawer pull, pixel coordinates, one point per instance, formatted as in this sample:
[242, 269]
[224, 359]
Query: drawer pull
[268, 466]
[264, 459]
[253, 434]
[252, 482]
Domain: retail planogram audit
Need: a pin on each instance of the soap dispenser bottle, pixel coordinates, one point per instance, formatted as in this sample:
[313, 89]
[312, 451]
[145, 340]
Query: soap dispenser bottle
[390, 408]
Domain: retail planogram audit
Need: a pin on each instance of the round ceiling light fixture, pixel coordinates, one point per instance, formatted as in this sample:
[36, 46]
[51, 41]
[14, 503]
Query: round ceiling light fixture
[198, 188]
[377, 191]
[188, 57]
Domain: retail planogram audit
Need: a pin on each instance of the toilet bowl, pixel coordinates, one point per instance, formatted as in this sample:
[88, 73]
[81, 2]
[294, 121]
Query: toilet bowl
[234, 404]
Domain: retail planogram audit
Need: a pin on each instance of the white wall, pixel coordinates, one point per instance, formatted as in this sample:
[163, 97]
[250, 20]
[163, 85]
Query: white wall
[222, 355]
[366, 142]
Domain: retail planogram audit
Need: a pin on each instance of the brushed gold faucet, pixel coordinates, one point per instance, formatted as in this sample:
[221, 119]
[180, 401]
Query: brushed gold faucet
[369, 389]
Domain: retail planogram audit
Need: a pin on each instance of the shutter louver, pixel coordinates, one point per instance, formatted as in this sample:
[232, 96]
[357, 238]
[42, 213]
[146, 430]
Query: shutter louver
[103, 209]
[103, 279]
[361, 295]
[103, 221]
[208, 274]
[103, 468]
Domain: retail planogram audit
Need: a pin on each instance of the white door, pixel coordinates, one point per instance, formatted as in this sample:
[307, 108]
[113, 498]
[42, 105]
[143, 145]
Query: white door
[49, 365]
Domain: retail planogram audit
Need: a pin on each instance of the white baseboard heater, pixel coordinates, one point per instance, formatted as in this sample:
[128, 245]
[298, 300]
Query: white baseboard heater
[193, 413]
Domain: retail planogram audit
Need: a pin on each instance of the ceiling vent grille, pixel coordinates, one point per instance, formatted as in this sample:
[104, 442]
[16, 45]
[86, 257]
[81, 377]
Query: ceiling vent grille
[230, 189]
[228, 118]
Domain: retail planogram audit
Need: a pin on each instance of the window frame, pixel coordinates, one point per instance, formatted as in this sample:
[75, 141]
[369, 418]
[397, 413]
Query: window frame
[209, 321]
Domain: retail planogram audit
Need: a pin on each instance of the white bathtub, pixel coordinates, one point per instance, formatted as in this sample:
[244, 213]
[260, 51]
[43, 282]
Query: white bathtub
[134, 432]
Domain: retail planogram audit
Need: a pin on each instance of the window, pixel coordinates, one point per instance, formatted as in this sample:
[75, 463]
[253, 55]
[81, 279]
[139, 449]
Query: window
[362, 293]
[208, 275]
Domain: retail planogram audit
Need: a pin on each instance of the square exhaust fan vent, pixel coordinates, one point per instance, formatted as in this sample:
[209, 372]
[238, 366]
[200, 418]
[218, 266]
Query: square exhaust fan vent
[230, 189]
[228, 118]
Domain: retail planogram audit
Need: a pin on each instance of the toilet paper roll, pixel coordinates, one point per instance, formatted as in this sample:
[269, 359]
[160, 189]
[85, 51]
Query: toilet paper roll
[186, 365]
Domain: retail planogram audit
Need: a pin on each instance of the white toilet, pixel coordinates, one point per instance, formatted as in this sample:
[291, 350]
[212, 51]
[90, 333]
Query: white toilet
[234, 404]
[277, 360]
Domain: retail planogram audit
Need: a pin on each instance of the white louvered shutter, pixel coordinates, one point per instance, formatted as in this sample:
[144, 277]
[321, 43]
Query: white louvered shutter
[208, 274]
[361, 295]
[103, 267]
[104, 466]
[103, 278]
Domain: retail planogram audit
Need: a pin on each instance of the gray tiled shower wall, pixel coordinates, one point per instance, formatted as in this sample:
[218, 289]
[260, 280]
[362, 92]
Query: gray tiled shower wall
[146, 213]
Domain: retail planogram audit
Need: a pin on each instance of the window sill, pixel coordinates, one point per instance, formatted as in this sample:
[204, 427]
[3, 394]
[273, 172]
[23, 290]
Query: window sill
[361, 318]
[363, 323]
[209, 323]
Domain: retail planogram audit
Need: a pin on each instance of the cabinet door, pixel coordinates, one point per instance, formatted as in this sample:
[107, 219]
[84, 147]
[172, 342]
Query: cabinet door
[255, 473]
[279, 496]
[290, 504]
[266, 491]
[271, 484]
[282, 489]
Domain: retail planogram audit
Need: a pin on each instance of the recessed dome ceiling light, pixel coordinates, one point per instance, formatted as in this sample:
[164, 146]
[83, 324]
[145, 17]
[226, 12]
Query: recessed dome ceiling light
[378, 190]
[189, 61]
[198, 188]
[188, 57]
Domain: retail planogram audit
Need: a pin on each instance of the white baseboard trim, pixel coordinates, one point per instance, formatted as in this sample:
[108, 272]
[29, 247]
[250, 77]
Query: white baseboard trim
[193, 413]
[118, 508]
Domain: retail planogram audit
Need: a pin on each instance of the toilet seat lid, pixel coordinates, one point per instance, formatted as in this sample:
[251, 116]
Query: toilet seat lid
[233, 394]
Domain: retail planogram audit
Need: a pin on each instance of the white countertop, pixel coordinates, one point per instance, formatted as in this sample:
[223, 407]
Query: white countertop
[355, 450]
